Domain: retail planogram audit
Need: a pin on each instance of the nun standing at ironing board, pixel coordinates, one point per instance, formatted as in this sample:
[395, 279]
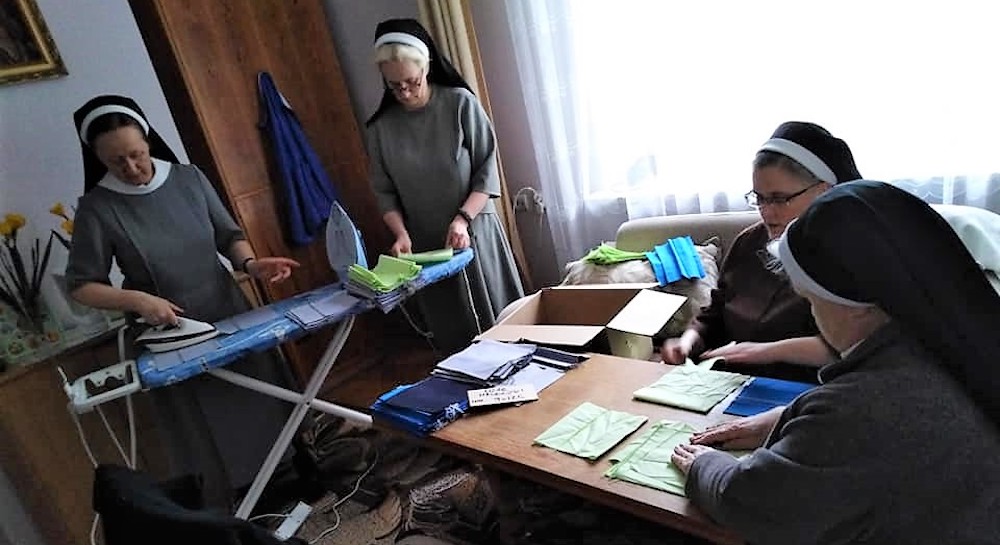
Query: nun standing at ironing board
[164, 225]
[435, 175]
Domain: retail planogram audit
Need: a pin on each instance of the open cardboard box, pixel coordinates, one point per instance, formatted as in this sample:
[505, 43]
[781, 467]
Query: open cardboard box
[618, 318]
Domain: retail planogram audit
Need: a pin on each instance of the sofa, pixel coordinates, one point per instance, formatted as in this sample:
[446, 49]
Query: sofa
[712, 234]
[642, 234]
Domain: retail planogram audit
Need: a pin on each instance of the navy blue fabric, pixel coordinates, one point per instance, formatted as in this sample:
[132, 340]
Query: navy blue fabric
[763, 394]
[308, 192]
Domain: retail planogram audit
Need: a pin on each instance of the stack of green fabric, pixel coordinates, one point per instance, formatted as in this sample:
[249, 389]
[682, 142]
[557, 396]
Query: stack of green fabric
[426, 258]
[389, 274]
[605, 254]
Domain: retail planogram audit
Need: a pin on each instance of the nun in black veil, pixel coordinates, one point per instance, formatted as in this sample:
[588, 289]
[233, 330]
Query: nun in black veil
[907, 419]
[163, 224]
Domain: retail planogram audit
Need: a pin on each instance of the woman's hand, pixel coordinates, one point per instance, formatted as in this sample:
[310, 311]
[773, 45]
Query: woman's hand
[675, 351]
[272, 269]
[156, 310]
[402, 245]
[743, 433]
[685, 455]
[742, 353]
[458, 234]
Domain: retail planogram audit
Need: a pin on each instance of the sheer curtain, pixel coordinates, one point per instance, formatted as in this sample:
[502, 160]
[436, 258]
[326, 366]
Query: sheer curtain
[643, 107]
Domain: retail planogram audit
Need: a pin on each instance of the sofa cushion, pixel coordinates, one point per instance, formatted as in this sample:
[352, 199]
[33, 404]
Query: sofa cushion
[698, 292]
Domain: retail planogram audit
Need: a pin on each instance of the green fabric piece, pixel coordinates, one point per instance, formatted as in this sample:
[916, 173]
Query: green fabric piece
[389, 274]
[605, 254]
[589, 431]
[691, 387]
[646, 459]
[435, 256]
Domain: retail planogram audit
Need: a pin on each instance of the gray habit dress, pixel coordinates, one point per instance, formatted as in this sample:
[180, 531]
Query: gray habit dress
[165, 243]
[424, 164]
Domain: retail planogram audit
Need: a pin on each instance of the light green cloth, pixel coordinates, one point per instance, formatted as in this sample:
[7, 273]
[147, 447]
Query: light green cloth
[605, 254]
[589, 431]
[389, 274]
[435, 256]
[691, 387]
[646, 459]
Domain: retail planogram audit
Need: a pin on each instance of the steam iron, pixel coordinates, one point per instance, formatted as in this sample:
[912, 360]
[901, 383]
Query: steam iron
[164, 338]
[343, 243]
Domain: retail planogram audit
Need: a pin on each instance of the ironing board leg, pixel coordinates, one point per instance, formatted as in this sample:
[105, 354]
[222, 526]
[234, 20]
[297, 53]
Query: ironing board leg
[257, 385]
[295, 419]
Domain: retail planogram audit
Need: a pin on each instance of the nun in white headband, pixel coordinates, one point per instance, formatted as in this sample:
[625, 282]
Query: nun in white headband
[906, 419]
[755, 320]
[164, 226]
[435, 176]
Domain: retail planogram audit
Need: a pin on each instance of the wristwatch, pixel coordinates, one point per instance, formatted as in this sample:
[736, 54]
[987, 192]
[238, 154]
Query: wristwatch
[464, 215]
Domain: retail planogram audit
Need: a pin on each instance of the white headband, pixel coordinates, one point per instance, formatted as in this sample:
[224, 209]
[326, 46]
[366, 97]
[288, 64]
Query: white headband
[804, 157]
[110, 109]
[403, 38]
[800, 278]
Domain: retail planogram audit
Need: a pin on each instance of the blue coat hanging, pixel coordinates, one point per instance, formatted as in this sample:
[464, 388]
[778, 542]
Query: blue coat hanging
[308, 192]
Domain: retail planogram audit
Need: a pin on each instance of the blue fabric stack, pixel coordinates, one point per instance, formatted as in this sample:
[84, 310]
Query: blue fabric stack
[436, 401]
[675, 259]
[763, 394]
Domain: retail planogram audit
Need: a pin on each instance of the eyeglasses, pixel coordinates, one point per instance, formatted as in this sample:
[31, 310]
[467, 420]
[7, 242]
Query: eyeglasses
[756, 200]
[412, 85]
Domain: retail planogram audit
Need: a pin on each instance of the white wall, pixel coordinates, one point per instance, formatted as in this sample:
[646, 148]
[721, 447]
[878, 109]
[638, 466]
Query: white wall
[39, 151]
[40, 160]
[352, 24]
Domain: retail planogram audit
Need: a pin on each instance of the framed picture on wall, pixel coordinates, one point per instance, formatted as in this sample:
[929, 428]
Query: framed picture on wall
[27, 51]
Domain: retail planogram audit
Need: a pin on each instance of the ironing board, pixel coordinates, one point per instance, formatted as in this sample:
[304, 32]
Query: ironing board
[265, 328]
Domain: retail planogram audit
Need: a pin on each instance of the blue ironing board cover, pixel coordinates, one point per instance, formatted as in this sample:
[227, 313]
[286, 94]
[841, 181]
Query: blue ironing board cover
[167, 368]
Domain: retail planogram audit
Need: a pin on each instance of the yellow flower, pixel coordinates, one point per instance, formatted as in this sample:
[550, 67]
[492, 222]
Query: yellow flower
[6, 228]
[67, 226]
[58, 209]
[16, 221]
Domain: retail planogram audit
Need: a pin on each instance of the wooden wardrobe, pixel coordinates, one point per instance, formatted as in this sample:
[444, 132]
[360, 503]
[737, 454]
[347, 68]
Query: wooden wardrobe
[207, 55]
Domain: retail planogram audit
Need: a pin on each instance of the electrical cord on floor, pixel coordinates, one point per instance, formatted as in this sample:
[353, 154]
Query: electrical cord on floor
[339, 502]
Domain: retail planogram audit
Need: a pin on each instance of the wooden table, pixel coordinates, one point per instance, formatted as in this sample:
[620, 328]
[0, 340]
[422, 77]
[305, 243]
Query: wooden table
[502, 439]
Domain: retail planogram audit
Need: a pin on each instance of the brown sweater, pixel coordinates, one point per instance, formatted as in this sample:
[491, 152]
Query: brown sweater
[753, 303]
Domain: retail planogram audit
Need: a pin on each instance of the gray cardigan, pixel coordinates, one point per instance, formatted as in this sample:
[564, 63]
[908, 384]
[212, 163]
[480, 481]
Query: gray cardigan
[889, 449]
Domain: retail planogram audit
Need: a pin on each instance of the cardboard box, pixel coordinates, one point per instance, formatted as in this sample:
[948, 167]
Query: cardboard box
[617, 318]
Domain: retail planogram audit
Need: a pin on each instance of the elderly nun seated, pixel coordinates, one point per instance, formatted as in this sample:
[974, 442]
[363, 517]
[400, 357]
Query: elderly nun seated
[900, 442]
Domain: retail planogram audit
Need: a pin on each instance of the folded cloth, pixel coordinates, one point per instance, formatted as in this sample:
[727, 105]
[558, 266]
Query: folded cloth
[646, 459]
[763, 394]
[691, 387]
[435, 256]
[431, 395]
[589, 431]
[605, 254]
[418, 423]
[389, 274]
[674, 260]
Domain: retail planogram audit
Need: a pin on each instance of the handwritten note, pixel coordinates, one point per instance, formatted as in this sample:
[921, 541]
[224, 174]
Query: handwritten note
[499, 395]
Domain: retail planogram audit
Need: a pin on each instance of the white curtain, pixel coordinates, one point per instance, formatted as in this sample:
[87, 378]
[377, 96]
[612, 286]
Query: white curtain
[644, 107]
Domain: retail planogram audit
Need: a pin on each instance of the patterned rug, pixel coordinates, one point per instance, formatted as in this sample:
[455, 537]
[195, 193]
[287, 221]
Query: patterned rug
[384, 489]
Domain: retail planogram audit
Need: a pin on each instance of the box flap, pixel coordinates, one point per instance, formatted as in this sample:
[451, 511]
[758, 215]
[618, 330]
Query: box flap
[564, 335]
[647, 312]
